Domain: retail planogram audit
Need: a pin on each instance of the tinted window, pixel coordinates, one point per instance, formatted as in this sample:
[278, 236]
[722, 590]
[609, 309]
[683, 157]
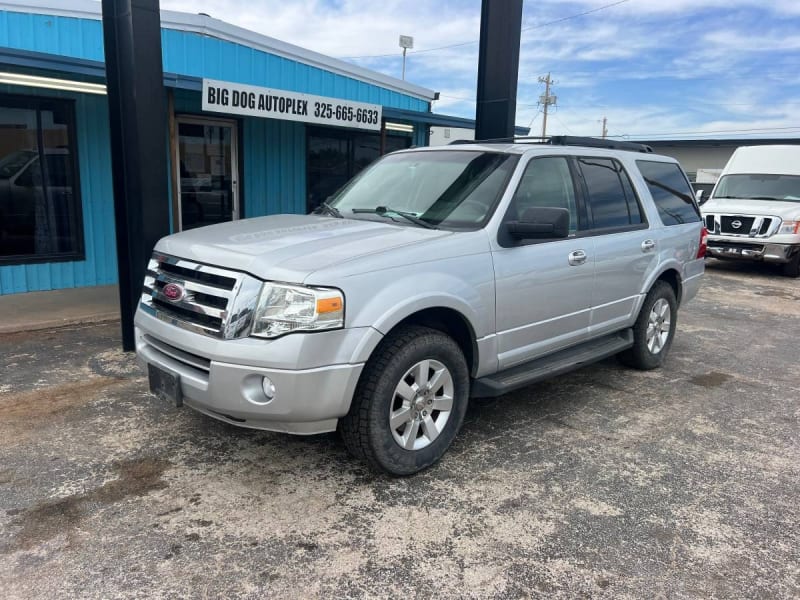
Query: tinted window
[547, 182]
[612, 201]
[671, 192]
[39, 201]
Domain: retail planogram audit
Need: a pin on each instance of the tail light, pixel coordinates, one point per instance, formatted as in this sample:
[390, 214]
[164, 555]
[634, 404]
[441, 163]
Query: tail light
[701, 250]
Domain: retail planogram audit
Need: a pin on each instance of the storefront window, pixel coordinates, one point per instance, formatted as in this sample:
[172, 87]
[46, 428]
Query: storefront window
[336, 156]
[39, 201]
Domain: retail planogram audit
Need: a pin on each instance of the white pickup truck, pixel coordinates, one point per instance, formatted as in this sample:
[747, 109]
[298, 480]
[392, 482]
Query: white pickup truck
[754, 210]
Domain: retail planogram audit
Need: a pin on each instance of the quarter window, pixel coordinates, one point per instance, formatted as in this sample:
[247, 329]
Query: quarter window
[671, 192]
[40, 215]
[612, 201]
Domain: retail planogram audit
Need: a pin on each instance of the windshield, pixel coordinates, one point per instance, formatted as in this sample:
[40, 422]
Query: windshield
[450, 189]
[759, 187]
[11, 164]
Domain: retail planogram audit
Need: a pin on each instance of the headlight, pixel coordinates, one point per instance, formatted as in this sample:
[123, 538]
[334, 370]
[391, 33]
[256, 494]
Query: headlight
[286, 308]
[790, 227]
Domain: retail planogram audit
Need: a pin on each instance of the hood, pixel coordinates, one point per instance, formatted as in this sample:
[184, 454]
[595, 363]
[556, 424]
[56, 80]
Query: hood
[291, 247]
[766, 208]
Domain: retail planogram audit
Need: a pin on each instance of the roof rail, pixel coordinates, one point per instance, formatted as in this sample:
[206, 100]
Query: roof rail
[564, 140]
[591, 142]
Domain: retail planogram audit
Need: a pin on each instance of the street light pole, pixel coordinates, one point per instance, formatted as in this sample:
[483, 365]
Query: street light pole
[406, 42]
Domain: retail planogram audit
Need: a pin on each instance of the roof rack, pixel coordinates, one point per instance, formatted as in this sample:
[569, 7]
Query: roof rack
[565, 140]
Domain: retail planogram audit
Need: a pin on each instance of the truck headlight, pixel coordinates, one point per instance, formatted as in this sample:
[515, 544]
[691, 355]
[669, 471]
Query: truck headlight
[287, 308]
[790, 227]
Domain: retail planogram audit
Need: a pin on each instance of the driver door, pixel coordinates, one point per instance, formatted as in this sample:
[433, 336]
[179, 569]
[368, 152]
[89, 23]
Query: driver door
[543, 287]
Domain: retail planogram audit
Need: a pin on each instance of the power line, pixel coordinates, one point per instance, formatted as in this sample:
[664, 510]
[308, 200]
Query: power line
[696, 133]
[459, 44]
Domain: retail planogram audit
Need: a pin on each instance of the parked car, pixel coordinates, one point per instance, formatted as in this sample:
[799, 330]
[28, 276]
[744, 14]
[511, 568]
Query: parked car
[754, 210]
[436, 275]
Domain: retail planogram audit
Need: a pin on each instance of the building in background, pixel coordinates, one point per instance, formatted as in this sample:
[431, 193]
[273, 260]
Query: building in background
[256, 126]
[460, 130]
[701, 159]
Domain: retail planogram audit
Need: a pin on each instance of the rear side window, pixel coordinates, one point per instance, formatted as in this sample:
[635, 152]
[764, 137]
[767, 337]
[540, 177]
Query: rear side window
[612, 200]
[671, 192]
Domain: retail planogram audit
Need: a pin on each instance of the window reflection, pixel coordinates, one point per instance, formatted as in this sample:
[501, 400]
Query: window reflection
[39, 204]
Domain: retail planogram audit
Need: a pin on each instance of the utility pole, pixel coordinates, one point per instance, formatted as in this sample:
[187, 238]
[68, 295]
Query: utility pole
[605, 129]
[546, 100]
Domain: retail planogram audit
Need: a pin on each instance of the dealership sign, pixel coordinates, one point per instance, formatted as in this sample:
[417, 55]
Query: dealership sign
[253, 101]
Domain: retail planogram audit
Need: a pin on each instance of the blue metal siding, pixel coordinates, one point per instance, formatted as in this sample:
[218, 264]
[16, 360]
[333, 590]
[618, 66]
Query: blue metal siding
[65, 36]
[274, 167]
[194, 55]
[187, 53]
[94, 161]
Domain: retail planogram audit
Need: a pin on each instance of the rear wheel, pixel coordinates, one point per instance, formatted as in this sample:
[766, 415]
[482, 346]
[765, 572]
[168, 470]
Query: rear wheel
[654, 329]
[410, 401]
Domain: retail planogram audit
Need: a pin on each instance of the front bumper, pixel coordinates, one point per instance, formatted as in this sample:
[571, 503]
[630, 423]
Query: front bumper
[719, 247]
[314, 374]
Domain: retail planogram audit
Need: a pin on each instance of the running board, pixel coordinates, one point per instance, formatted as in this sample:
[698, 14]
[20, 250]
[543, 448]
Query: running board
[560, 362]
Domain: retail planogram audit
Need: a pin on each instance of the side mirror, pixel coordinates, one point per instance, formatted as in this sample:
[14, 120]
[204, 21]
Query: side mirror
[540, 223]
[698, 195]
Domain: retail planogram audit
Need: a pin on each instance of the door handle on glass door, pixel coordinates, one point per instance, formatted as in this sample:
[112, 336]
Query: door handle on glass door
[577, 257]
[648, 245]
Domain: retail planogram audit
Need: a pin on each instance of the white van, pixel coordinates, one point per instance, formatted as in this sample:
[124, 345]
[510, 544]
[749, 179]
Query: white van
[754, 209]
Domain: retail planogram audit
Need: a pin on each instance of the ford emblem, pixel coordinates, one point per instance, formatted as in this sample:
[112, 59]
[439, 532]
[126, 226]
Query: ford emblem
[736, 224]
[173, 292]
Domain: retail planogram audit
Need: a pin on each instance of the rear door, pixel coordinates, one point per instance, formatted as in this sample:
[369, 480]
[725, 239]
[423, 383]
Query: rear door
[625, 249]
[543, 287]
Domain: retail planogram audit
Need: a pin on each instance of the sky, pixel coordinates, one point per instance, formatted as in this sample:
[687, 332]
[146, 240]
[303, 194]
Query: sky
[654, 68]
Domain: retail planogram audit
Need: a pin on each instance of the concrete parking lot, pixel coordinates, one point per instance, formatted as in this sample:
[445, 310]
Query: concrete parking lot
[677, 483]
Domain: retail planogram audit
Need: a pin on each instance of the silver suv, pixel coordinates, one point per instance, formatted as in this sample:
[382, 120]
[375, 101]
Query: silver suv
[436, 275]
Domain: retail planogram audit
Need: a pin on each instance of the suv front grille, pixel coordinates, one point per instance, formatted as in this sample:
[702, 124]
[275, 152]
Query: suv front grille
[215, 302]
[748, 226]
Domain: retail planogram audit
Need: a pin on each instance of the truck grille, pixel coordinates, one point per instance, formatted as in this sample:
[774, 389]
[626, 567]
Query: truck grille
[742, 225]
[211, 301]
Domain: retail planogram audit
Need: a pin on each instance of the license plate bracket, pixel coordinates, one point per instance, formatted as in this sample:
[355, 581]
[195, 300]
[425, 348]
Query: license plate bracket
[165, 385]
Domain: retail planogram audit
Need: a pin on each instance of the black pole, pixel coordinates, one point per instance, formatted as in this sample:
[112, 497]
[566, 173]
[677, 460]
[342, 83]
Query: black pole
[137, 115]
[498, 68]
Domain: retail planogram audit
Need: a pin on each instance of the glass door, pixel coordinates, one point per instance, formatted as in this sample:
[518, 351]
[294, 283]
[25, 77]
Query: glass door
[208, 186]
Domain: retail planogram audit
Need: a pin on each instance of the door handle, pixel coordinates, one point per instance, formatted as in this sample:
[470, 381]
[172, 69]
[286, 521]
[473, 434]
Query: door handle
[648, 245]
[577, 257]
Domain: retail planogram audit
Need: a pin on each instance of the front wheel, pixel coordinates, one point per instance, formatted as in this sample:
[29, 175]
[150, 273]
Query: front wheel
[792, 268]
[409, 403]
[654, 329]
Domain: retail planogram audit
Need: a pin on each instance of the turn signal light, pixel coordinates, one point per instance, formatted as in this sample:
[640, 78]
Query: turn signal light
[328, 305]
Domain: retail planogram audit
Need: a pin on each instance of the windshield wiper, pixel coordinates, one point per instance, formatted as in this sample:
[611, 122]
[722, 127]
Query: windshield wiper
[327, 209]
[764, 198]
[384, 210]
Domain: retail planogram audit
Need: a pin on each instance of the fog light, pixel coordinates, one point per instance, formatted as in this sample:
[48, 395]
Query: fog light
[268, 387]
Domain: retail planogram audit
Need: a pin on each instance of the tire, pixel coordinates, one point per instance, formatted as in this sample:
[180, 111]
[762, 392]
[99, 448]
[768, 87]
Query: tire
[792, 268]
[388, 386]
[650, 353]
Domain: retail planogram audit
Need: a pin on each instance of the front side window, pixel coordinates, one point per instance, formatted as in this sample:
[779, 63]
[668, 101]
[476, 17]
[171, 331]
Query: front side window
[39, 201]
[547, 182]
[671, 192]
[451, 189]
[612, 201]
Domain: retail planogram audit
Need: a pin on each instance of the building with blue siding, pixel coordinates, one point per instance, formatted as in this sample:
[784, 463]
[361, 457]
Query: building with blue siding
[256, 126]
